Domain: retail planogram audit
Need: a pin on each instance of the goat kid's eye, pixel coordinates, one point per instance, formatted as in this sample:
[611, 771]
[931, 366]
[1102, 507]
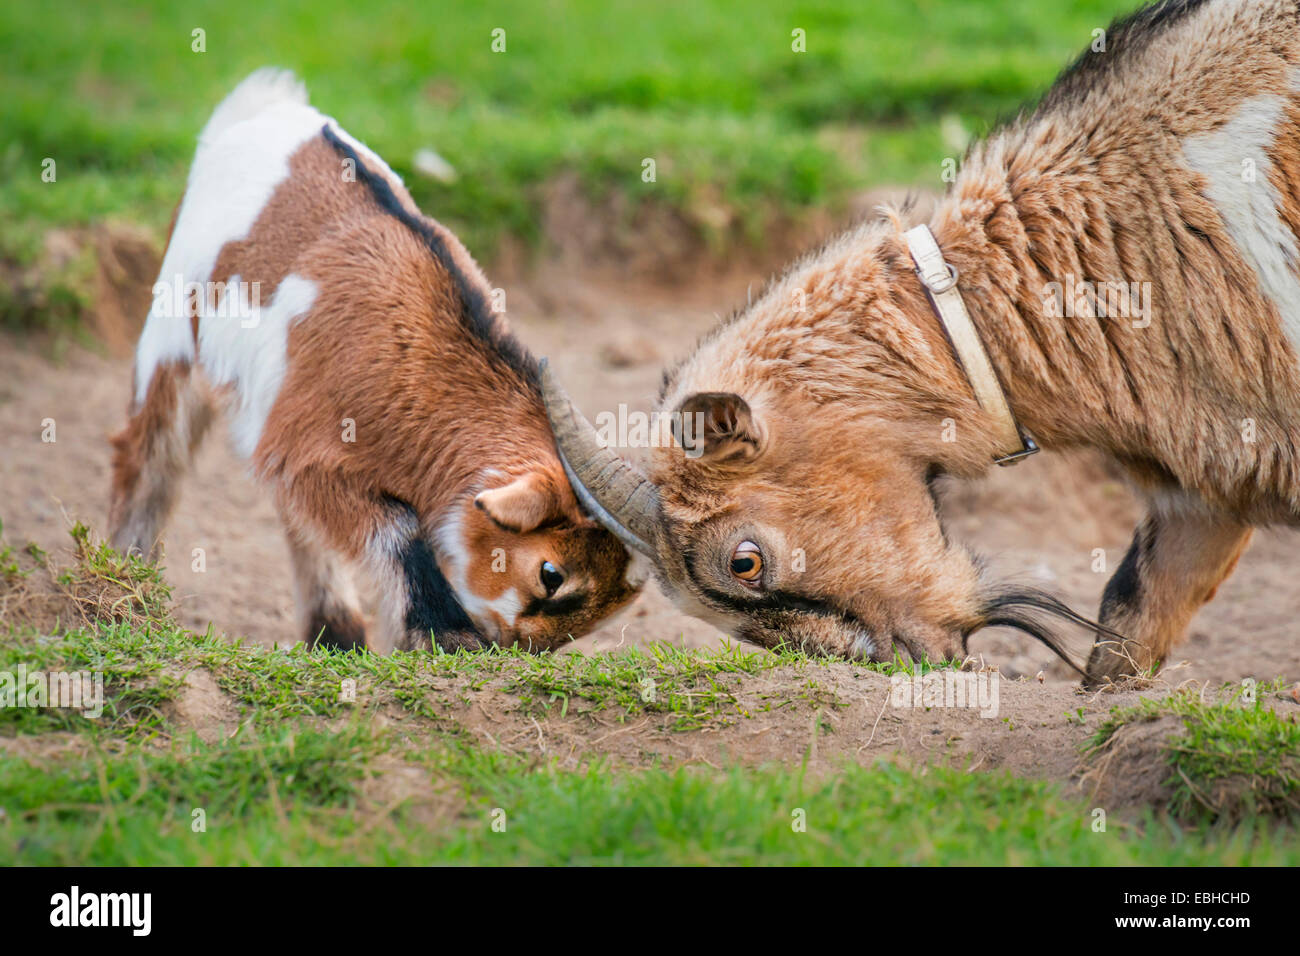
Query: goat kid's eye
[552, 578]
[747, 564]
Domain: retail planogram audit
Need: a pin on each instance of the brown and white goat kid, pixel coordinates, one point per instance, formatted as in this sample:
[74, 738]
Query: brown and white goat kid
[397, 422]
[1168, 163]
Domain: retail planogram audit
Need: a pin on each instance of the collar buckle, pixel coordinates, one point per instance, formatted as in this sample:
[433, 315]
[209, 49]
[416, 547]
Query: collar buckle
[939, 284]
[1016, 457]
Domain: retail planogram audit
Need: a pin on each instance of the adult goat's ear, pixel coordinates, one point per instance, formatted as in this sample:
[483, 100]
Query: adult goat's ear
[717, 427]
[524, 505]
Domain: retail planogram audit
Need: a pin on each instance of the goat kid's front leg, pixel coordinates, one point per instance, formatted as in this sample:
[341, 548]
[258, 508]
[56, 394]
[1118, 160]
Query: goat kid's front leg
[329, 610]
[418, 606]
[1178, 559]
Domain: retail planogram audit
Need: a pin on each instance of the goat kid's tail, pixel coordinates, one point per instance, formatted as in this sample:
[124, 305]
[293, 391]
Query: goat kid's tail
[258, 91]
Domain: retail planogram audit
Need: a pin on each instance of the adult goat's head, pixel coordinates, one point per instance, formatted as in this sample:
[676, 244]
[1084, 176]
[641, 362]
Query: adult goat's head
[794, 501]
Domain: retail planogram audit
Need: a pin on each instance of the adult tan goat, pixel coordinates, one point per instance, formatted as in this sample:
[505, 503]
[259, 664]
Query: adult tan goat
[1128, 257]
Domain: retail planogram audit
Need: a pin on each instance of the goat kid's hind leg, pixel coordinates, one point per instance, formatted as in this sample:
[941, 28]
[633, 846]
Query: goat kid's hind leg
[417, 603]
[1176, 562]
[151, 454]
[329, 611]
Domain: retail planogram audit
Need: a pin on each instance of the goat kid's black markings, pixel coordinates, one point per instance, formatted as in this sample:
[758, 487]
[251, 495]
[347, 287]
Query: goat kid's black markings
[433, 608]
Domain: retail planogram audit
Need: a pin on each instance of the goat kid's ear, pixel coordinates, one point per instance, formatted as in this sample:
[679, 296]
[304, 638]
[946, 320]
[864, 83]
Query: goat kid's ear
[717, 427]
[524, 505]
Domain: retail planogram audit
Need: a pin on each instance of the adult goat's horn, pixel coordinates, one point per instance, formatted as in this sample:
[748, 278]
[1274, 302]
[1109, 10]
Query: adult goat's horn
[612, 491]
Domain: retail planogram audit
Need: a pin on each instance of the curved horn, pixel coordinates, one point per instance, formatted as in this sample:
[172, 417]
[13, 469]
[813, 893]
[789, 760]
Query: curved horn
[611, 490]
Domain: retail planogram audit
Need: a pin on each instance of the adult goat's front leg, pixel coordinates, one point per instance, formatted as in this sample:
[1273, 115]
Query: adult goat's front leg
[1178, 559]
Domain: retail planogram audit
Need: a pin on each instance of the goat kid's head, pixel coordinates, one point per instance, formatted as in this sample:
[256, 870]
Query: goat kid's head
[794, 501]
[530, 568]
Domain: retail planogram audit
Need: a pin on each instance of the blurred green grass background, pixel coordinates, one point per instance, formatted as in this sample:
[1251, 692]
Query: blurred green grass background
[114, 93]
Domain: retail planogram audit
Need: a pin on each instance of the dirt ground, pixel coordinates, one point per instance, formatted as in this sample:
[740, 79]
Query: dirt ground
[609, 338]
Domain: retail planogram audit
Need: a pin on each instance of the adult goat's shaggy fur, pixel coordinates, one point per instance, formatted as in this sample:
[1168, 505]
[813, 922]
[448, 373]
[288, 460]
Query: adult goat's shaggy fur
[1129, 255]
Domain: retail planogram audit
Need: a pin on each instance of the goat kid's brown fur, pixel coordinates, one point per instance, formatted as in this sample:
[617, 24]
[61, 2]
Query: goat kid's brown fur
[399, 440]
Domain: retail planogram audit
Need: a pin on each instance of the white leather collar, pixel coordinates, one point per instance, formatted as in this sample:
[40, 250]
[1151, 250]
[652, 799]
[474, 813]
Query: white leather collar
[940, 281]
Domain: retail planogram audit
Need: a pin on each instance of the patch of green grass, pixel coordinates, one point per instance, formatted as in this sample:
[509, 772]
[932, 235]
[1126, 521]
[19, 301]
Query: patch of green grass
[10, 569]
[143, 668]
[693, 689]
[885, 815]
[144, 658]
[291, 796]
[136, 683]
[115, 95]
[1235, 757]
[139, 806]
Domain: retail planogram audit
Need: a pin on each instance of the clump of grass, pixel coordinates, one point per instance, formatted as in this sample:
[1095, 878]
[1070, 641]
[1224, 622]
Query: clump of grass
[1223, 757]
[87, 610]
[110, 586]
[10, 568]
[92, 584]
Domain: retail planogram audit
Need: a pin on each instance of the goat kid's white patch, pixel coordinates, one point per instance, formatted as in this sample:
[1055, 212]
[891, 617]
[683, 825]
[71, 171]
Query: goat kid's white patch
[1234, 161]
[253, 359]
[242, 159]
[486, 613]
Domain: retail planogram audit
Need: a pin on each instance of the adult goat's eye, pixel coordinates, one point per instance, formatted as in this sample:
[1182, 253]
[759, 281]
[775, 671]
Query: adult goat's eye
[552, 578]
[747, 563]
